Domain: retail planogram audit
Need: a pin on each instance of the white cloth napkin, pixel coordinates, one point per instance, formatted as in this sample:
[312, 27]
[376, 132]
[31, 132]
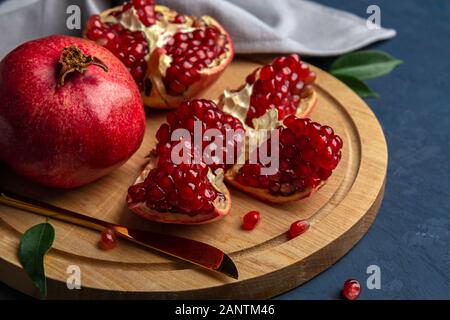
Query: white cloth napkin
[256, 26]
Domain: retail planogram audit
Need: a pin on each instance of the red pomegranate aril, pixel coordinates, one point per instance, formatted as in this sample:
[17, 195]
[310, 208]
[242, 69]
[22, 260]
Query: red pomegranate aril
[138, 192]
[176, 87]
[163, 133]
[266, 72]
[250, 220]
[108, 239]
[327, 131]
[303, 70]
[310, 78]
[306, 91]
[179, 19]
[297, 228]
[324, 173]
[351, 289]
[279, 62]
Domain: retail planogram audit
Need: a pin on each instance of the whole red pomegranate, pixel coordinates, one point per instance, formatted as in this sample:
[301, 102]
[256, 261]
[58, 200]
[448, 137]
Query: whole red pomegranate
[70, 112]
[171, 56]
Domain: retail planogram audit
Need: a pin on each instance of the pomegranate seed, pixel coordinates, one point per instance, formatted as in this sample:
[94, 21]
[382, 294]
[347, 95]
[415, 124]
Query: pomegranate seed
[310, 78]
[179, 19]
[108, 239]
[297, 228]
[352, 289]
[250, 220]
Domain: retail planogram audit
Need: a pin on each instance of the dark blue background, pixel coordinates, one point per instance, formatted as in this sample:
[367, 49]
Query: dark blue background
[410, 239]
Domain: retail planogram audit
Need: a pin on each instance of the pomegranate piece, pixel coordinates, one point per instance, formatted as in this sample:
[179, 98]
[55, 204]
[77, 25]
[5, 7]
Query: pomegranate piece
[250, 220]
[108, 240]
[184, 191]
[181, 185]
[297, 228]
[191, 52]
[177, 188]
[352, 289]
[285, 84]
[130, 47]
[145, 10]
[308, 153]
[171, 56]
[56, 127]
[207, 116]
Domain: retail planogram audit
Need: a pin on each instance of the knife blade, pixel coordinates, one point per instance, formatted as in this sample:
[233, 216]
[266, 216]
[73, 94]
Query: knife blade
[198, 253]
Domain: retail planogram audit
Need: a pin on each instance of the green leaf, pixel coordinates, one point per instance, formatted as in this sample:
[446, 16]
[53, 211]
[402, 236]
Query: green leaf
[364, 64]
[34, 245]
[358, 86]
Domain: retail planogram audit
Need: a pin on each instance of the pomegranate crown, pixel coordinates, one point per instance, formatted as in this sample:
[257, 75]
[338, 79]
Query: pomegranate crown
[73, 59]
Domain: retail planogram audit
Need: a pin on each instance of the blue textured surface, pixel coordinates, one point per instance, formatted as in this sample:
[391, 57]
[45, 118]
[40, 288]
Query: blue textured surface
[410, 239]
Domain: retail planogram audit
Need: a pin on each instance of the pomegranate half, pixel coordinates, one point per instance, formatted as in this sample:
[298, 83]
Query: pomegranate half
[179, 184]
[70, 112]
[172, 57]
[307, 154]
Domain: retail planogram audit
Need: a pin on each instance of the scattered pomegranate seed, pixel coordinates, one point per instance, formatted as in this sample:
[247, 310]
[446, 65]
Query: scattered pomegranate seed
[297, 228]
[108, 239]
[280, 85]
[250, 220]
[352, 289]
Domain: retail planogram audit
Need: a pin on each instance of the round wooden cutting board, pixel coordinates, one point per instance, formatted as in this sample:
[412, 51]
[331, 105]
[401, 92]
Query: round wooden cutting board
[268, 262]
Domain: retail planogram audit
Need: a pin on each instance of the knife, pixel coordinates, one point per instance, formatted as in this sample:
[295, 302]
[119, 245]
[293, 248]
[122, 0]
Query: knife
[198, 253]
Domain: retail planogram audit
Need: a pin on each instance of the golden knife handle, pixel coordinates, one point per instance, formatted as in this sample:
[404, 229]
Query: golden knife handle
[48, 210]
